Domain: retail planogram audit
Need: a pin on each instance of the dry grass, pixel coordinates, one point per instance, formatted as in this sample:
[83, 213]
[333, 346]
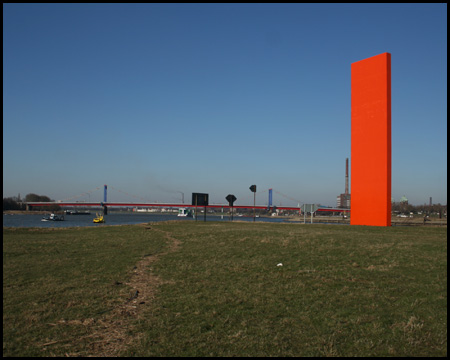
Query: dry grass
[214, 289]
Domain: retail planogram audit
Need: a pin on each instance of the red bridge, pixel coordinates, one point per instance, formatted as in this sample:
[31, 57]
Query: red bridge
[30, 205]
[71, 203]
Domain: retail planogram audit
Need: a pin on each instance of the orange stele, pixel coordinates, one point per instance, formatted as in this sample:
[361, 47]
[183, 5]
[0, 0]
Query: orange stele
[371, 141]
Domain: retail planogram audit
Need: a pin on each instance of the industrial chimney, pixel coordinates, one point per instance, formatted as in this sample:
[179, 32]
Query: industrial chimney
[343, 200]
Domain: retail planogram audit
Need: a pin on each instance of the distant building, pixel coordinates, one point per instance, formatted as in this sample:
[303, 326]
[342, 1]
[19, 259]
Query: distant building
[343, 201]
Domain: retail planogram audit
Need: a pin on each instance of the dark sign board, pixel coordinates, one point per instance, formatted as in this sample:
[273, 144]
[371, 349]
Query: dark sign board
[231, 199]
[199, 199]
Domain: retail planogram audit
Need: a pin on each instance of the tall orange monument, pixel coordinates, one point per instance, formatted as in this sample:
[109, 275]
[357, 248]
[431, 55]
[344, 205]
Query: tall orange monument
[371, 149]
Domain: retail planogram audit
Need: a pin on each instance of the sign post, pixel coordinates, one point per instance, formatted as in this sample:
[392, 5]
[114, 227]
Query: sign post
[199, 199]
[253, 190]
[231, 199]
[308, 208]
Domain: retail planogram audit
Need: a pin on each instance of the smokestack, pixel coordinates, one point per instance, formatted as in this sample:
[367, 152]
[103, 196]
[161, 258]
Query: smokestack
[346, 176]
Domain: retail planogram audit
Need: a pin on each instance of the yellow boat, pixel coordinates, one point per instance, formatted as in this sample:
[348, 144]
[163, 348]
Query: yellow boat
[99, 219]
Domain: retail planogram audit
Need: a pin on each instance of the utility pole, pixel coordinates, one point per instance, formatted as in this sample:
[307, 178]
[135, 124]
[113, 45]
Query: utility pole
[254, 204]
[253, 190]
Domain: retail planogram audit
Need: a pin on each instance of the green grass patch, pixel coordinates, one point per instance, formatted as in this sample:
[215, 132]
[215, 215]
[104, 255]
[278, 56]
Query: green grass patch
[342, 290]
[55, 279]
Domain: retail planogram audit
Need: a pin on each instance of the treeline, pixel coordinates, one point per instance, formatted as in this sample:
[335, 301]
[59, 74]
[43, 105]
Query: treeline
[11, 203]
[15, 203]
[434, 209]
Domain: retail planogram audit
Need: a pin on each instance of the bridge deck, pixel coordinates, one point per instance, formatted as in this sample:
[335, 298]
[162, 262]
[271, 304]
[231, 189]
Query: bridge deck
[142, 205]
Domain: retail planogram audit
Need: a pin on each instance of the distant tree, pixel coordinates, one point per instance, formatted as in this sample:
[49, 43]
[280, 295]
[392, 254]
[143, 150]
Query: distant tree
[31, 198]
[11, 204]
[37, 198]
[42, 198]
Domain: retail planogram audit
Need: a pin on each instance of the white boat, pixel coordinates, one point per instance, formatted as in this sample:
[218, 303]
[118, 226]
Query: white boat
[53, 217]
[184, 212]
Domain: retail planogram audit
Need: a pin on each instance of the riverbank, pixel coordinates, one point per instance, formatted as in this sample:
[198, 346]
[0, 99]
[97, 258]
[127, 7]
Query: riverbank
[396, 221]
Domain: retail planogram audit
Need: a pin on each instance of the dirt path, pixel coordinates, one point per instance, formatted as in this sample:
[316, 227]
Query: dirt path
[110, 335]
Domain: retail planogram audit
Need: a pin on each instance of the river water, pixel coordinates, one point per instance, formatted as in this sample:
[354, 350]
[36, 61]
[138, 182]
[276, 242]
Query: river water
[34, 220]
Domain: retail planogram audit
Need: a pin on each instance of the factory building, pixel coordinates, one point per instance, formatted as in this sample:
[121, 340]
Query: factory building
[343, 200]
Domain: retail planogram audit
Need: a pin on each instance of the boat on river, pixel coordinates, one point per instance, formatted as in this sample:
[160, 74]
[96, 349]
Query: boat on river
[53, 217]
[77, 212]
[184, 212]
[99, 219]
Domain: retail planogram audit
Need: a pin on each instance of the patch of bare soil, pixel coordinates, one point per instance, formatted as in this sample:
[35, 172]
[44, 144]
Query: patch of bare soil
[110, 335]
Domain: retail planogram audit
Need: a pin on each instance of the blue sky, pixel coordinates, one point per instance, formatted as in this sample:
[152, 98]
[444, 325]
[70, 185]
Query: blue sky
[158, 99]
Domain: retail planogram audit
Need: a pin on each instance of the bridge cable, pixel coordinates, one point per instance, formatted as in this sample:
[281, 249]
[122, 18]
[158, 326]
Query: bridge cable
[85, 193]
[134, 196]
[287, 197]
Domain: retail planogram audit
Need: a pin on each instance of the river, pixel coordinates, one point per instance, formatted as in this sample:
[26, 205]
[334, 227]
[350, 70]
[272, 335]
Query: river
[34, 220]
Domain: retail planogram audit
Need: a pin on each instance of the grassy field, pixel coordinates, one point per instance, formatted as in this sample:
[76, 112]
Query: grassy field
[218, 289]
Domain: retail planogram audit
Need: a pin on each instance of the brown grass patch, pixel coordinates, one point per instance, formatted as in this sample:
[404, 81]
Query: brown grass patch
[110, 335]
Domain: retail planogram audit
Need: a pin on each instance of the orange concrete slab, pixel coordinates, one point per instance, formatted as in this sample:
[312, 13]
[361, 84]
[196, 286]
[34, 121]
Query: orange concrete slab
[371, 149]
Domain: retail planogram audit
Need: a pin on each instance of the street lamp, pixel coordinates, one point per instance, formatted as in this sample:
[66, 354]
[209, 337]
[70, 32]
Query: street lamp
[253, 190]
